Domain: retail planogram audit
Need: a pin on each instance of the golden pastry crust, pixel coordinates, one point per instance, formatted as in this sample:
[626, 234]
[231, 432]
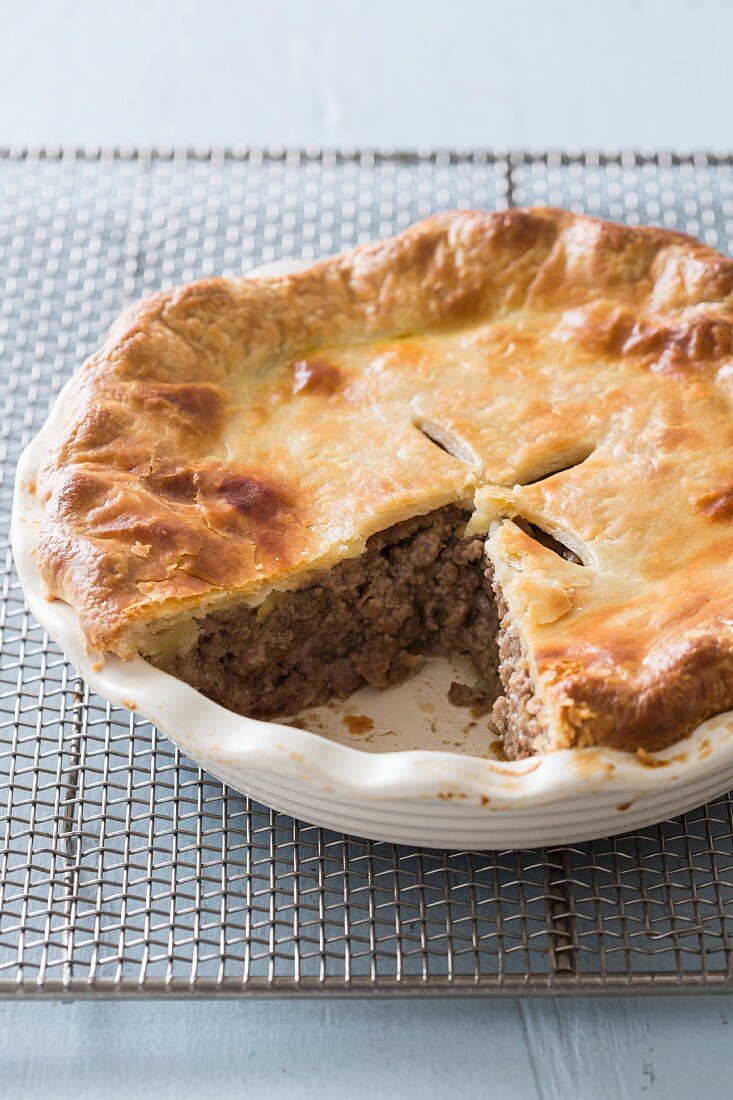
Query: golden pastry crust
[233, 435]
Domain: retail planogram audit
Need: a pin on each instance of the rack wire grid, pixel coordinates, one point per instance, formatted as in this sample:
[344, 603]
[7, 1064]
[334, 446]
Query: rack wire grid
[124, 869]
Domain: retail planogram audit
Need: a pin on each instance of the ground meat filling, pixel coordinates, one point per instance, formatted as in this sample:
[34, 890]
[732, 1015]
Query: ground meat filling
[516, 713]
[463, 695]
[419, 588]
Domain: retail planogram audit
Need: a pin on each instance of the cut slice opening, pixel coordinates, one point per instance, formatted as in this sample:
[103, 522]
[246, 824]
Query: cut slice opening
[421, 588]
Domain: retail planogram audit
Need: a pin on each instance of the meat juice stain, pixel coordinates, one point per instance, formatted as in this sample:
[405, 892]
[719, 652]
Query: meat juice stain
[358, 724]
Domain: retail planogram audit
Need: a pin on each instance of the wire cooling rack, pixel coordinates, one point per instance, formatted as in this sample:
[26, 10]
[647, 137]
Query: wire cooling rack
[126, 870]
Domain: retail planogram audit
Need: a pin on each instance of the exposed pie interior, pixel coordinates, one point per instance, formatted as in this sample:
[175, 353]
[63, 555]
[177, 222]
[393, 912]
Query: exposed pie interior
[419, 588]
[507, 435]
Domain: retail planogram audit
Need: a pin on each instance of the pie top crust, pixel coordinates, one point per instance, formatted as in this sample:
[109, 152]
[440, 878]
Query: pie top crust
[233, 435]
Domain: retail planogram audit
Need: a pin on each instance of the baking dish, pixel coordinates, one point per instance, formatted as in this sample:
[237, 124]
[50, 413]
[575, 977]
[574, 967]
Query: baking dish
[358, 768]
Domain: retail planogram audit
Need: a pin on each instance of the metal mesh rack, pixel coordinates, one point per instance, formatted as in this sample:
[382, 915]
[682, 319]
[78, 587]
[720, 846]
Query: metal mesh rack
[124, 868]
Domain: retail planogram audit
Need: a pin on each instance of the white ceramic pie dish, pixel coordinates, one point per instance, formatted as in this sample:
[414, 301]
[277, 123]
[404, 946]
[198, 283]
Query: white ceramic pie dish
[387, 789]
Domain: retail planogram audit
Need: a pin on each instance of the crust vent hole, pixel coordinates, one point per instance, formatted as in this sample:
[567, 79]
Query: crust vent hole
[446, 441]
[560, 466]
[544, 538]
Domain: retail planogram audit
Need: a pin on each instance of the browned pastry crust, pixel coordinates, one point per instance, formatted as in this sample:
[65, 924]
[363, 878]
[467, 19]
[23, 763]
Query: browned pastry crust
[233, 436]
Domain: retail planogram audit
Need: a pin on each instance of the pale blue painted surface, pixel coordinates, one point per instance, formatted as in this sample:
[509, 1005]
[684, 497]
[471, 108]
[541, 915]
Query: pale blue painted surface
[600, 1049]
[402, 72]
[525, 73]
